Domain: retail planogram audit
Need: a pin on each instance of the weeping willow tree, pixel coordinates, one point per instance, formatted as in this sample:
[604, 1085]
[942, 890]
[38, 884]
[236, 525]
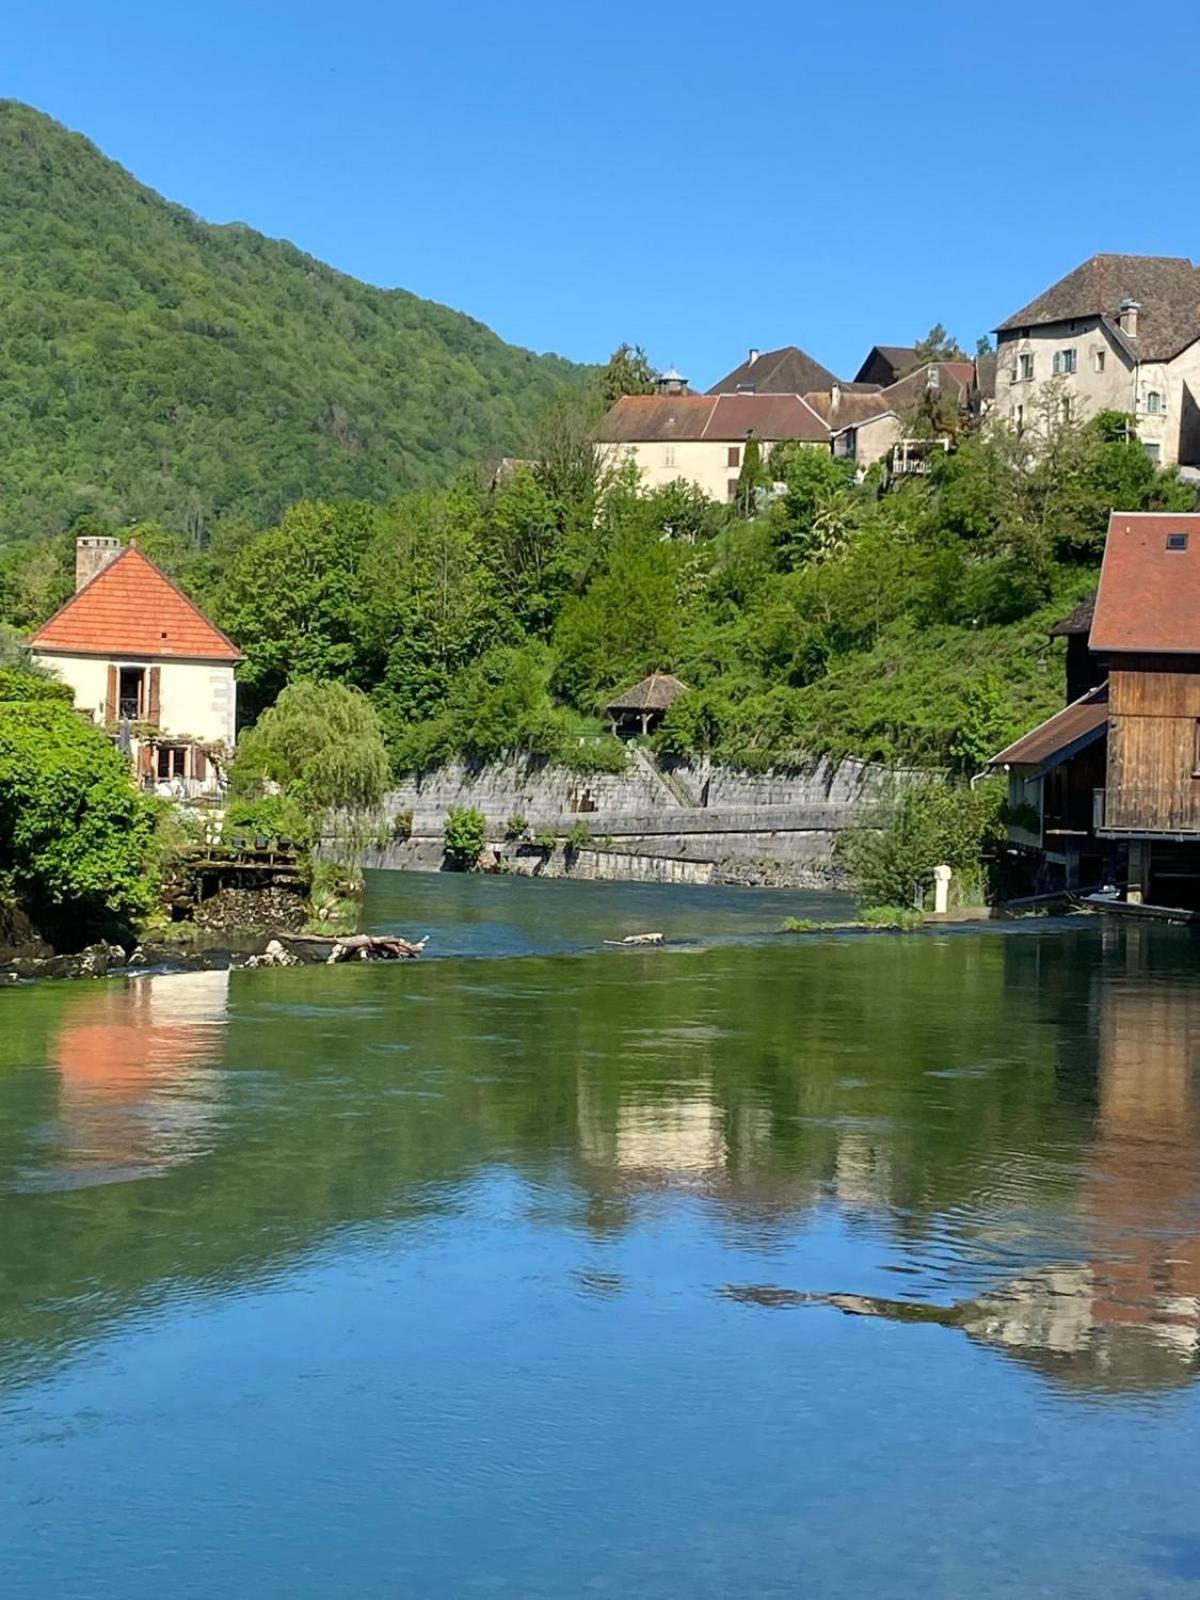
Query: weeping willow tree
[321, 746]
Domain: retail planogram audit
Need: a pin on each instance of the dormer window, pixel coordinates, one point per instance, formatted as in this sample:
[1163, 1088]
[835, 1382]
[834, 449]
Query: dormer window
[1177, 541]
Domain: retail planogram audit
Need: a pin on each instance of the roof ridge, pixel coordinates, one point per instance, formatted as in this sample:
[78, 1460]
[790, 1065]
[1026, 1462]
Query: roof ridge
[133, 549]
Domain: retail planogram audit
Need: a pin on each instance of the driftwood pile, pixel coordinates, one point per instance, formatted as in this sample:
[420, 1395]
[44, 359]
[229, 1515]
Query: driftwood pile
[330, 949]
[374, 947]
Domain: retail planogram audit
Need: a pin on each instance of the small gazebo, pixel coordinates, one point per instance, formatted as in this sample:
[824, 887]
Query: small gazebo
[647, 703]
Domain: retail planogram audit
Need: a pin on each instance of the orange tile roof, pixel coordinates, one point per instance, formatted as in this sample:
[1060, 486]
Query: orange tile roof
[1149, 597]
[130, 608]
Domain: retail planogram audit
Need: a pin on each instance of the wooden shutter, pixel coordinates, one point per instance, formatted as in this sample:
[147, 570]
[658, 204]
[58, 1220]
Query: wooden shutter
[199, 764]
[154, 698]
[110, 701]
[146, 761]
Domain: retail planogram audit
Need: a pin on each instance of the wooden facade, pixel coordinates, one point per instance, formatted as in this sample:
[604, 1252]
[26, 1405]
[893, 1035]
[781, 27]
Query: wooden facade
[1152, 781]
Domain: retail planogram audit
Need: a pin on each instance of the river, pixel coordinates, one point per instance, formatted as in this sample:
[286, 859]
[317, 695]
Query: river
[751, 1265]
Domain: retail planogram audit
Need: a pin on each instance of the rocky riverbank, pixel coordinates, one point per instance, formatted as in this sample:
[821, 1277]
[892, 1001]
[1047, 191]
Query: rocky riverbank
[278, 948]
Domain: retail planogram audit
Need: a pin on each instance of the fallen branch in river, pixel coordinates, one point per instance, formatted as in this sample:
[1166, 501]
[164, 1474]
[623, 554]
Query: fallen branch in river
[374, 947]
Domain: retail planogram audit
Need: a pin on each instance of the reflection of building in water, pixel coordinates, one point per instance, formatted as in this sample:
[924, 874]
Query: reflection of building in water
[134, 1061]
[1130, 1317]
[665, 1138]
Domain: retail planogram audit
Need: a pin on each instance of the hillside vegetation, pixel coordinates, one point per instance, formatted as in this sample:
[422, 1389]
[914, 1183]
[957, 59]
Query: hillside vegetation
[905, 623]
[154, 366]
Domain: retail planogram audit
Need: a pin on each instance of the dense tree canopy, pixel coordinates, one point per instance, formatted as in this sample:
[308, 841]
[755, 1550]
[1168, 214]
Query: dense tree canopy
[153, 366]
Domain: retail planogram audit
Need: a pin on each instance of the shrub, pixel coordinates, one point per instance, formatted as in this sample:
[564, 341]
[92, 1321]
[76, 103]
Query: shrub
[402, 826]
[516, 827]
[597, 755]
[933, 823]
[76, 837]
[904, 917]
[19, 684]
[545, 839]
[465, 835]
[579, 836]
[270, 816]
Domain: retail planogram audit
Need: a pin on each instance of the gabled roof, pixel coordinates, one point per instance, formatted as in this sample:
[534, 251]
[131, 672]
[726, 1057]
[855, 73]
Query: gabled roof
[1061, 736]
[849, 409]
[1167, 289]
[1077, 621]
[723, 418]
[658, 692]
[130, 608]
[902, 358]
[787, 371]
[954, 380]
[1149, 596]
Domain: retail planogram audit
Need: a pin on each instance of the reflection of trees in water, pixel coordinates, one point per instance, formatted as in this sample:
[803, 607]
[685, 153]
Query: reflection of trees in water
[917, 1086]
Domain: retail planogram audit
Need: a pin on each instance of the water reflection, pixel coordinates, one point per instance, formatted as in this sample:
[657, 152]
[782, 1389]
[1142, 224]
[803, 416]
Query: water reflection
[1126, 1315]
[1005, 1128]
[137, 1087]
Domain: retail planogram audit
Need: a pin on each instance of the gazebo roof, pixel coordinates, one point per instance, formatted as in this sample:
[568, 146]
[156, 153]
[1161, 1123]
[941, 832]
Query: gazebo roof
[658, 692]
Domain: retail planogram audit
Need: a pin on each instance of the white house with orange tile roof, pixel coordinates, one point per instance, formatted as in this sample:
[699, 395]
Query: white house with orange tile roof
[145, 662]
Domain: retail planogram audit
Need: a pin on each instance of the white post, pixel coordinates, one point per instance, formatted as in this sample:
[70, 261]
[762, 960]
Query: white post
[941, 889]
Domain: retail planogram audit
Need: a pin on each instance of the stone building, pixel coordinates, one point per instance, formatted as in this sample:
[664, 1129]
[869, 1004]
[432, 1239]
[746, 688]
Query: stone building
[145, 663]
[1119, 333]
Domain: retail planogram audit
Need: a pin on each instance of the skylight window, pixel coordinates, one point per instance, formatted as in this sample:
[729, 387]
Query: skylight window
[1177, 541]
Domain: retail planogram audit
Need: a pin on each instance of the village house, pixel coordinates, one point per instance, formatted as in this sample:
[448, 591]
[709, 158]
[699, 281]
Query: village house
[146, 664]
[786, 371]
[886, 363]
[702, 438]
[1119, 333]
[1111, 784]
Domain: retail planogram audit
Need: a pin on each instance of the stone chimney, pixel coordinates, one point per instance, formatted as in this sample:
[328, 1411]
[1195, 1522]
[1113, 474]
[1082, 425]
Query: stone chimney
[835, 398]
[92, 554]
[1127, 316]
[753, 356]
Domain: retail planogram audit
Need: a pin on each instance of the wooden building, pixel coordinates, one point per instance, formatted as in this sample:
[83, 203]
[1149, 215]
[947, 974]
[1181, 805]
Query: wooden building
[643, 707]
[1114, 779]
[1147, 628]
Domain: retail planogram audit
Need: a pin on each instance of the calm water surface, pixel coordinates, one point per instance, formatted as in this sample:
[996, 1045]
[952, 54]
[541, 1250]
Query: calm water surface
[747, 1266]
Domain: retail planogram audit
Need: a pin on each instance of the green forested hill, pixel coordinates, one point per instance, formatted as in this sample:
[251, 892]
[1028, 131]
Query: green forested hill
[156, 366]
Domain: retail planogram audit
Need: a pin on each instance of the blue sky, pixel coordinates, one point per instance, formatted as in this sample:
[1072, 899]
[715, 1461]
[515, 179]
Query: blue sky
[696, 178]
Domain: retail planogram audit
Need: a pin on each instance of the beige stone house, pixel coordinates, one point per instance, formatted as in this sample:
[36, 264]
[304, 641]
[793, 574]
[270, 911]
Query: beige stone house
[1119, 333]
[144, 662]
[701, 437]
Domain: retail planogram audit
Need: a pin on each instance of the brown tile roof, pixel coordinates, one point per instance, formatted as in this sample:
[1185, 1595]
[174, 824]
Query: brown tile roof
[954, 382]
[787, 371]
[1061, 735]
[1078, 621]
[902, 358]
[658, 692]
[130, 608]
[850, 408]
[655, 418]
[1167, 289]
[1149, 596]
